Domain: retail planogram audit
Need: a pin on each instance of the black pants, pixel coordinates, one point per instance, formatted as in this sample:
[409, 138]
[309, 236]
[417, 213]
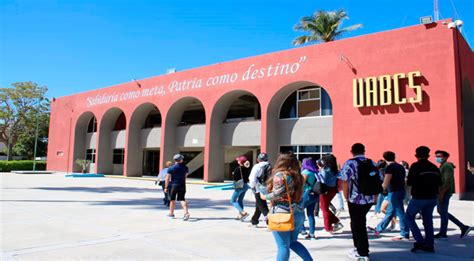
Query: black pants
[260, 208]
[358, 214]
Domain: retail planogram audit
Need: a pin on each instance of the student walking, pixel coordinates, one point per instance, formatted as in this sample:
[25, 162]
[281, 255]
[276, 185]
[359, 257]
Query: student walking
[176, 184]
[287, 181]
[257, 182]
[161, 180]
[361, 184]
[241, 179]
[446, 191]
[310, 198]
[394, 186]
[328, 174]
[424, 178]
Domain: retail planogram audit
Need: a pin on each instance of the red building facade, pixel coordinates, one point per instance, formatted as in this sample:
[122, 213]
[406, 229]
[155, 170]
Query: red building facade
[393, 90]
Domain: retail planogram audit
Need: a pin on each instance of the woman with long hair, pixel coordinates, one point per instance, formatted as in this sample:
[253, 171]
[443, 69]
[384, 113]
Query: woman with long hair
[241, 176]
[286, 173]
[328, 174]
[308, 170]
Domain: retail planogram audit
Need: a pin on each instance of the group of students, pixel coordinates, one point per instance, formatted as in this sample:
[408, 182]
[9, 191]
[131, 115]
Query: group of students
[289, 186]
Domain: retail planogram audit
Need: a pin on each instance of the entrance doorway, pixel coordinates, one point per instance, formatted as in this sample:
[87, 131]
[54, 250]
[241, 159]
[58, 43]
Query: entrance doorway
[151, 162]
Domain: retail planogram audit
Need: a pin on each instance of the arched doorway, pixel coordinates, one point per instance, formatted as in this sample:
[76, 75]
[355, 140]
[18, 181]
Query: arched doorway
[112, 142]
[185, 133]
[85, 141]
[300, 120]
[235, 130]
[144, 141]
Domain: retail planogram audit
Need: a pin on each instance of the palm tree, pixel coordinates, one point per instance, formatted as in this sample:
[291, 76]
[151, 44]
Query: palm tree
[323, 26]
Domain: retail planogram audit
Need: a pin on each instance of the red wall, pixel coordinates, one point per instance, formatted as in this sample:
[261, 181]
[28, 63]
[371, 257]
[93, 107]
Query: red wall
[401, 129]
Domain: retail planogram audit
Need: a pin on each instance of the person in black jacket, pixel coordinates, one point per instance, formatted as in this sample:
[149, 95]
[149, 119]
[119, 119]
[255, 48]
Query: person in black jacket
[425, 179]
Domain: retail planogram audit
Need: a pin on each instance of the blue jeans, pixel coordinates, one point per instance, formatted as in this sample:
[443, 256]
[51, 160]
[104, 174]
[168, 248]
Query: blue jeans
[426, 206]
[378, 206]
[309, 203]
[395, 208]
[237, 199]
[340, 200]
[289, 240]
[446, 216]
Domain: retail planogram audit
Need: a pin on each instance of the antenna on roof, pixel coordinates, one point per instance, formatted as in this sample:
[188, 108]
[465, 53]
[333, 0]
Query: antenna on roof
[436, 10]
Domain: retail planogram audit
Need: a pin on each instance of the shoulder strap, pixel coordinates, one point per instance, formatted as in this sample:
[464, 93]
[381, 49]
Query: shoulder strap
[288, 192]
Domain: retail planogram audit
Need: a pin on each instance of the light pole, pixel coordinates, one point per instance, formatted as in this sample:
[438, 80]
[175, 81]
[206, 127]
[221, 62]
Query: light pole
[36, 137]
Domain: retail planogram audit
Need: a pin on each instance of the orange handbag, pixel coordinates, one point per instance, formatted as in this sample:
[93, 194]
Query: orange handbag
[282, 222]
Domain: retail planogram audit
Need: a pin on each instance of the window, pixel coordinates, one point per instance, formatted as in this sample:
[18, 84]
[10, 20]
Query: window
[306, 102]
[313, 151]
[119, 156]
[90, 155]
[153, 120]
[120, 123]
[92, 127]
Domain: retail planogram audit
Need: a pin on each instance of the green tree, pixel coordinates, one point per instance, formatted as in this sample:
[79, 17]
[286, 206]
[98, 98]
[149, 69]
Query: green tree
[322, 26]
[20, 108]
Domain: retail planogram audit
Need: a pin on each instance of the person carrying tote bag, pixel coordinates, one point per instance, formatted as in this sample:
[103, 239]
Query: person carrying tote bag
[286, 194]
[241, 178]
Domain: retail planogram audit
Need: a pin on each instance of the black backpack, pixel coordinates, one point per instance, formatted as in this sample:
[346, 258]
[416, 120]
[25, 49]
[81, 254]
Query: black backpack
[368, 182]
[267, 172]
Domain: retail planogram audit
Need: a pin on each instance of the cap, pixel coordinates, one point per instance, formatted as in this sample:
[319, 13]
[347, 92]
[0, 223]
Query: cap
[241, 159]
[263, 156]
[178, 157]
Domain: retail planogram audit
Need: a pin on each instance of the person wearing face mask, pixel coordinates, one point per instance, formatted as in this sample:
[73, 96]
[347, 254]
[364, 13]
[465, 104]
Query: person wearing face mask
[445, 192]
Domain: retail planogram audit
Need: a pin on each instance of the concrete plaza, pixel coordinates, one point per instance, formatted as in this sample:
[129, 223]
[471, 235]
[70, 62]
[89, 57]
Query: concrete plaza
[51, 217]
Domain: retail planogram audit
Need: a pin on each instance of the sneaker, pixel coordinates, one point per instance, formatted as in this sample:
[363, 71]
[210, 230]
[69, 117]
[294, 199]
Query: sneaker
[186, 217]
[465, 231]
[400, 238]
[417, 247]
[310, 237]
[418, 216]
[303, 233]
[337, 227]
[170, 215]
[355, 256]
[441, 237]
[244, 216]
[238, 217]
[370, 229]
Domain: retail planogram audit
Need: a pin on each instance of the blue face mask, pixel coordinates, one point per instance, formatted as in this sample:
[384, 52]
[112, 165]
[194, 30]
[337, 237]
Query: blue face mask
[439, 160]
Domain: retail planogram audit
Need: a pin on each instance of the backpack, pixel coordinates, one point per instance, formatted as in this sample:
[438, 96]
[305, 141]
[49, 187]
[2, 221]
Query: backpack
[266, 173]
[319, 187]
[368, 182]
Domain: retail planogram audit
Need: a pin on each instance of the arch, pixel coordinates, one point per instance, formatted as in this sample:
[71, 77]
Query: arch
[185, 132]
[299, 132]
[84, 142]
[144, 130]
[111, 142]
[242, 132]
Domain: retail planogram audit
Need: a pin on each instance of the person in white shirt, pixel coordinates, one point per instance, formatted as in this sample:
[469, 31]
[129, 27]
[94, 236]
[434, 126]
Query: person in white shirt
[160, 180]
[257, 182]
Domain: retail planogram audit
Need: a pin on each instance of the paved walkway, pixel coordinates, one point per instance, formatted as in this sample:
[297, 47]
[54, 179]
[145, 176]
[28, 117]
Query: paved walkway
[50, 217]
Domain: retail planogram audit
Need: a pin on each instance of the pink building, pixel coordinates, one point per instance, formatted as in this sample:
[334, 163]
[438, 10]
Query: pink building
[392, 90]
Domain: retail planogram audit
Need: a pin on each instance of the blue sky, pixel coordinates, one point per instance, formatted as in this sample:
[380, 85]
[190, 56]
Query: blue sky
[75, 46]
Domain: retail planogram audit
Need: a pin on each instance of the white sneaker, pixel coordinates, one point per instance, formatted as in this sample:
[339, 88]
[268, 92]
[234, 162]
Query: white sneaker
[355, 256]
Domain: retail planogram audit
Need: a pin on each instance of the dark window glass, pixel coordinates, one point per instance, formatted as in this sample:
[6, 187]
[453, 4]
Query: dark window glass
[153, 120]
[327, 149]
[92, 127]
[121, 122]
[314, 157]
[119, 155]
[288, 109]
[246, 107]
[310, 148]
[90, 155]
[287, 149]
[326, 105]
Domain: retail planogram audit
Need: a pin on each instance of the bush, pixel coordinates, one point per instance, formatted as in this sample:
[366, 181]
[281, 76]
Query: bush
[7, 166]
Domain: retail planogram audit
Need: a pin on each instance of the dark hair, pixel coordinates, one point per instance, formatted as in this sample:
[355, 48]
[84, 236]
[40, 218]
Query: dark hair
[330, 162]
[442, 152]
[358, 148]
[289, 164]
[381, 164]
[405, 164]
[422, 152]
[389, 155]
[308, 164]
